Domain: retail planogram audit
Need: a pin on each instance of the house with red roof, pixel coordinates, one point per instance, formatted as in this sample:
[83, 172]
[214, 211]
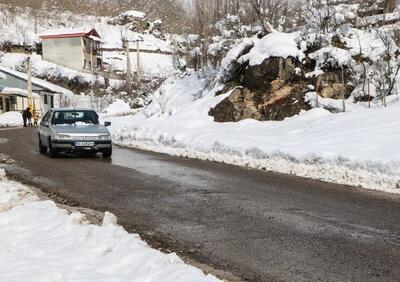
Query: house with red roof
[77, 49]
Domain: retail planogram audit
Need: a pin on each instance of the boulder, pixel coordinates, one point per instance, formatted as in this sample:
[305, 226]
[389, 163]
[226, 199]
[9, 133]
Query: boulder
[259, 77]
[133, 20]
[285, 100]
[241, 104]
[334, 91]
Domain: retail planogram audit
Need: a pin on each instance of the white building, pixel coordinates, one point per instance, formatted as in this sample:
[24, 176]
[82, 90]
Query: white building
[14, 95]
[16, 99]
[77, 49]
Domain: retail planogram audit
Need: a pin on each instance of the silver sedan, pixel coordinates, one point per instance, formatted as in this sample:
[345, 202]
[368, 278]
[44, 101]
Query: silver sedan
[74, 130]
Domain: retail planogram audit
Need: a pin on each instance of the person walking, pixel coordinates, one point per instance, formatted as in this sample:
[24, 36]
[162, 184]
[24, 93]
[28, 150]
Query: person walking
[27, 116]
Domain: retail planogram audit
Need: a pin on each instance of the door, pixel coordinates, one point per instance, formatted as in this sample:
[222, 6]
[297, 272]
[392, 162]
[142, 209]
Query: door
[7, 104]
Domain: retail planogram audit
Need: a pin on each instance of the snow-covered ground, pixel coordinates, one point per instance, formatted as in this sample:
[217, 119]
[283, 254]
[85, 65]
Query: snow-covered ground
[359, 147]
[17, 27]
[41, 242]
[11, 119]
[42, 68]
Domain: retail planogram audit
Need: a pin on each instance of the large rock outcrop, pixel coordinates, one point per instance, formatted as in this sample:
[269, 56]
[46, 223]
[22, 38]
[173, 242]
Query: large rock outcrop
[268, 91]
[275, 89]
[283, 100]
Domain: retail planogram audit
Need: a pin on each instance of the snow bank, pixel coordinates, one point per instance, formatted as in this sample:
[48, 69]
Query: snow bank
[40, 242]
[358, 148]
[276, 44]
[119, 107]
[11, 119]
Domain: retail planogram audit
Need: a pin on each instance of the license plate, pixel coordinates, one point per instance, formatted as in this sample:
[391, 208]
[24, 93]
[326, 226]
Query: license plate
[84, 144]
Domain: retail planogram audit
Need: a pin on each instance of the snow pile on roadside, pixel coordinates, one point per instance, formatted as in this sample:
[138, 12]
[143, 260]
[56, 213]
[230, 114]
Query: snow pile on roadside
[118, 108]
[359, 147]
[11, 119]
[41, 242]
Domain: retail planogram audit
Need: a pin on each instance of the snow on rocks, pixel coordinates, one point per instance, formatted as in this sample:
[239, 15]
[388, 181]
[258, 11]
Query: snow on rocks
[332, 56]
[231, 58]
[276, 44]
[41, 242]
[11, 119]
[357, 148]
[134, 14]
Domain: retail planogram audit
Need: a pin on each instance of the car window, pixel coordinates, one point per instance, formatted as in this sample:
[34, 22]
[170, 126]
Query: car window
[74, 117]
[47, 116]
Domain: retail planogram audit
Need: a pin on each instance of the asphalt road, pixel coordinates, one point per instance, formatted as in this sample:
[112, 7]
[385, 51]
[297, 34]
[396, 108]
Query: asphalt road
[260, 226]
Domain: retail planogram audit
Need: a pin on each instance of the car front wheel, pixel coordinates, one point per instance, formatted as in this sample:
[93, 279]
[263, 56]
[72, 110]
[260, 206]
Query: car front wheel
[107, 153]
[42, 148]
[52, 151]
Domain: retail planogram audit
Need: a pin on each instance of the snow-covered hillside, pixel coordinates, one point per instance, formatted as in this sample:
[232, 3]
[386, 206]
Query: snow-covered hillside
[18, 27]
[359, 147]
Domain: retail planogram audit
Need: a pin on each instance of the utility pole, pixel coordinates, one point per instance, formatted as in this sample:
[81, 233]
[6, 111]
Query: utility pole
[343, 94]
[128, 67]
[138, 67]
[29, 73]
[369, 94]
[316, 93]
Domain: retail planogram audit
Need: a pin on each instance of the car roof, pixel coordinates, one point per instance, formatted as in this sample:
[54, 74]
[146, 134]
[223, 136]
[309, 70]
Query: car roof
[71, 109]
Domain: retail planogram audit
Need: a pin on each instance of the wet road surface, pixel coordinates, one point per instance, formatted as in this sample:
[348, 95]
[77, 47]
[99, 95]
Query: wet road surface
[259, 226]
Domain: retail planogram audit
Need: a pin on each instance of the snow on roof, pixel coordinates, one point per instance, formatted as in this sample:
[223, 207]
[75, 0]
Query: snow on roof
[39, 82]
[276, 44]
[69, 32]
[18, 91]
[95, 38]
[133, 13]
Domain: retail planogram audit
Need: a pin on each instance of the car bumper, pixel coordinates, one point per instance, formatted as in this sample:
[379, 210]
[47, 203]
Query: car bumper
[70, 146]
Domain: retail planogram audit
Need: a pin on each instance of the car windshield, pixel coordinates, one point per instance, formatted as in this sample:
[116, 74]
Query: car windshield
[75, 117]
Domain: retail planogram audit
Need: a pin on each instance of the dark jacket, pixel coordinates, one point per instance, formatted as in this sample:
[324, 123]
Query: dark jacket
[26, 114]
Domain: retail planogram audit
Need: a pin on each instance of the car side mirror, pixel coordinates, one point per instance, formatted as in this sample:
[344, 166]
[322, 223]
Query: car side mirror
[44, 123]
[107, 123]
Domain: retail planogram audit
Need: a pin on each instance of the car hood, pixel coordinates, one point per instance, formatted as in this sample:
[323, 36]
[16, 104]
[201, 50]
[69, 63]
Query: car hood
[80, 129]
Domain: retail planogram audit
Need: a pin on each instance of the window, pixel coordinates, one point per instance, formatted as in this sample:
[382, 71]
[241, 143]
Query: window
[47, 116]
[45, 101]
[72, 117]
[52, 101]
[84, 63]
[13, 103]
[1, 104]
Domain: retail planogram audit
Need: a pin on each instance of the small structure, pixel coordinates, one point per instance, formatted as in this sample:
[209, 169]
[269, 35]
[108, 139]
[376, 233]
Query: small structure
[16, 99]
[15, 83]
[77, 49]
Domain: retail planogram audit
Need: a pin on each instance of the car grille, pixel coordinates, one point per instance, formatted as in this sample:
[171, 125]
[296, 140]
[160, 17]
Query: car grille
[85, 138]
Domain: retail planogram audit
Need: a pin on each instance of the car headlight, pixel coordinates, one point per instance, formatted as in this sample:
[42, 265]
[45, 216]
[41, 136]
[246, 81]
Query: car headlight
[62, 137]
[105, 137]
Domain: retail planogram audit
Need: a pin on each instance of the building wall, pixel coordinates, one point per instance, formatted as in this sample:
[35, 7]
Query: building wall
[67, 52]
[89, 53]
[21, 103]
[15, 82]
